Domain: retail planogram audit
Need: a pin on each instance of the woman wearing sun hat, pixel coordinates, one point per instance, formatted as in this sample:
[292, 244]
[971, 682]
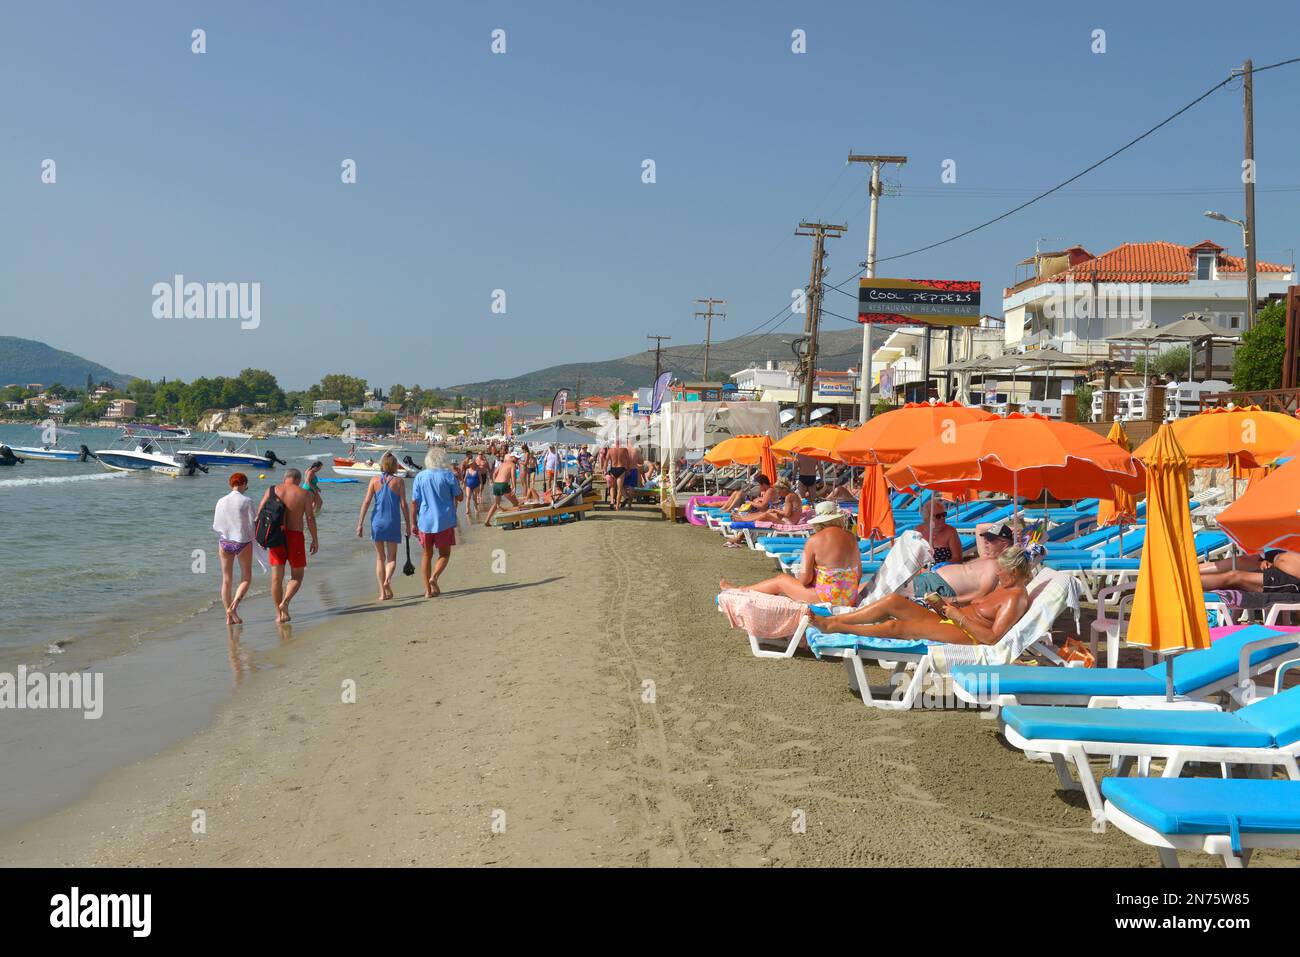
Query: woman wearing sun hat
[831, 570]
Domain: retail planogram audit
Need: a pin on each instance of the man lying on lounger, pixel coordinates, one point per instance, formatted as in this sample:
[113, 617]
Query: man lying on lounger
[982, 621]
[1274, 572]
[969, 580]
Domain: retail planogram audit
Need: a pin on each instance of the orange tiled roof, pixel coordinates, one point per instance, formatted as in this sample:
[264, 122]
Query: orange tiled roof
[1155, 262]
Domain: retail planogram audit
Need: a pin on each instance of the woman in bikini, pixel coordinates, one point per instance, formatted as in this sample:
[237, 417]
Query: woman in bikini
[831, 570]
[981, 621]
[233, 522]
[945, 543]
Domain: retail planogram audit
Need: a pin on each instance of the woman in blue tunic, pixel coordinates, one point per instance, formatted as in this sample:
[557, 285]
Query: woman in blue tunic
[388, 491]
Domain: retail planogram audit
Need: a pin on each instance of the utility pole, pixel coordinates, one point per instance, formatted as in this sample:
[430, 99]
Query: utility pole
[819, 232]
[659, 340]
[864, 409]
[1248, 107]
[708, 335]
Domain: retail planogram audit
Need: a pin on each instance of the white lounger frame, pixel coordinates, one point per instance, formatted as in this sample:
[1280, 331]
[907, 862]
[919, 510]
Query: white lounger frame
[1168, 845]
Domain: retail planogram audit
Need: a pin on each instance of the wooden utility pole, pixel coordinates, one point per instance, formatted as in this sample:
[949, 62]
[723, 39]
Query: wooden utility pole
[864, 372]
[1248, 174]
[708, 334]
[819, 232]
[659, 340]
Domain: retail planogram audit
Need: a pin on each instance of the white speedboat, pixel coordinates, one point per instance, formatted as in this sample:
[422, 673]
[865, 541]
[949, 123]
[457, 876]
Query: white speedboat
[234, 456]
[145, 455]
[356, 468]
[58, 449]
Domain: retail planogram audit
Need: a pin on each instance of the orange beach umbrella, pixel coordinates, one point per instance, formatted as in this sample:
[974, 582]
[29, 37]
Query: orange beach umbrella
[1122, 507]
[1246, 436]
[1024, 455]
[1168, 605]
[817, 442]
[745, 450]
[1268, 514]
[886, 438]
[875, 517]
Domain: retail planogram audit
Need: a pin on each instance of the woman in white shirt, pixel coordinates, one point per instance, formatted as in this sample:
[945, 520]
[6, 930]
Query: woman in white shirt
[233, 522]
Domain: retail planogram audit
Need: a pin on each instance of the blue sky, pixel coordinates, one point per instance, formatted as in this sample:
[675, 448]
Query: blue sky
[522, 171]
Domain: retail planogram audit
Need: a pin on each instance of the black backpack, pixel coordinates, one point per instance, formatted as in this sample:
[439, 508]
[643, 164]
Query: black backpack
[269, 528]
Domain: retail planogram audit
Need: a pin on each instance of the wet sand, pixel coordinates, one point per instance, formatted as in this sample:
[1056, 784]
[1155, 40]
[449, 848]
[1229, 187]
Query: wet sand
[506, 724]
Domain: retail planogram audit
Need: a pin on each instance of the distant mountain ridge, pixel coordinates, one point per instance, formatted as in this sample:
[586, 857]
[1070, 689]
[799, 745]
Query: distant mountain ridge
[26, 361]
[838, 350]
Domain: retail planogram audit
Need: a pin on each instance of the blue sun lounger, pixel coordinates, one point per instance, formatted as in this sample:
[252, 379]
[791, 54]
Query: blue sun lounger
[1227, 817]
[1230, 663]
[1265, 732]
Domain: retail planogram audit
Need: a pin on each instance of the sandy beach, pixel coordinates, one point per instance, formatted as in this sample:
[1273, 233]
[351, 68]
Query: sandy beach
[504, 724]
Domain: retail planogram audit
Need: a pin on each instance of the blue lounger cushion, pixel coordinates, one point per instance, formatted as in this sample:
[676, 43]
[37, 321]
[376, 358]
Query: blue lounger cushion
[819, 641]
[1231, 806]
[1193, 670]
[1192, 728]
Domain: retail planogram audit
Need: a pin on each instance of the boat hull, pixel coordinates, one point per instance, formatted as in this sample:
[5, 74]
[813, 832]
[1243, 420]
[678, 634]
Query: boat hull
[228, 459]
[47, 455]
[120, 461]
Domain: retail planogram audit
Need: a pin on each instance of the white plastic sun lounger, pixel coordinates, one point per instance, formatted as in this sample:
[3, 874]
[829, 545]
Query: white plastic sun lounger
[1051, 592]
[1227, 817]
[1265, 733]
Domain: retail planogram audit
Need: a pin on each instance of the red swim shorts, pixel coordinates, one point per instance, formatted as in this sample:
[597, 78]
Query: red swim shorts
[434, 540]
[292, 553]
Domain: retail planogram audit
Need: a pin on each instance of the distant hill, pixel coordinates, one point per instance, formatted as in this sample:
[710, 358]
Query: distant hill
[838, 349]
[25, 360]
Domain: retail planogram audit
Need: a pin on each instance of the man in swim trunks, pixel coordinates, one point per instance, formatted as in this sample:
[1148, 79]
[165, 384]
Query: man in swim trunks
[297, 510]
[968, 580]
[502, 486]
[808, 469]
[617, 461]
[1276, 572]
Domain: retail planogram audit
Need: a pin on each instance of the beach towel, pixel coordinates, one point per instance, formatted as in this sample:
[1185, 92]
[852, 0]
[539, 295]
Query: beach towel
[778, 527]
[763, 616]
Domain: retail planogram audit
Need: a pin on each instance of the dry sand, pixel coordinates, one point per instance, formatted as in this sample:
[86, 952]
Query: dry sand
[516, 700]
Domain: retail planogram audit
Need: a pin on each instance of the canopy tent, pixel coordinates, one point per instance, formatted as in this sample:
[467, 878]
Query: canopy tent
[557, 434]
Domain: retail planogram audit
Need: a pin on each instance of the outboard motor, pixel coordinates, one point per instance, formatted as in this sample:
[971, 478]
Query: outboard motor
[86, 454]
[409, 464]
[7, 456]
[190, 465]
[273, 459]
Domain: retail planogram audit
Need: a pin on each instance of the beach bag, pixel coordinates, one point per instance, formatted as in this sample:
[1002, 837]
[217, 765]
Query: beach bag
[268, 530]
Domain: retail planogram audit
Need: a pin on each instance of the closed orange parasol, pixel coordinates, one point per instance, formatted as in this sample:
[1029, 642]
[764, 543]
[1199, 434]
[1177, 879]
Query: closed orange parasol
[745, 450]
[817, 442]
[1246, 436]
[1024, 455]
[888, 437]
[1268, 514]
[1168, 611]
[875, 517]
[1122, 507]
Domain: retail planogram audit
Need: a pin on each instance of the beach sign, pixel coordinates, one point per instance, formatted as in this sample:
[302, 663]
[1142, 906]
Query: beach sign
[919, 302]
[660, 389]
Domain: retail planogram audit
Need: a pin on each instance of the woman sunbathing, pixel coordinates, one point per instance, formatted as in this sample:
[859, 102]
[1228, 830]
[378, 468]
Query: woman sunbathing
[982, 621]
[831, 568]
[790, 512]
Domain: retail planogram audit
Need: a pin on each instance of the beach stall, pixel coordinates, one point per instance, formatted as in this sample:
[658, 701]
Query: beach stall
[682, 428]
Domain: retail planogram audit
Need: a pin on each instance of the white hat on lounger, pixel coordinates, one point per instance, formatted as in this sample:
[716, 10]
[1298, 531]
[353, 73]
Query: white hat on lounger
[826, 512]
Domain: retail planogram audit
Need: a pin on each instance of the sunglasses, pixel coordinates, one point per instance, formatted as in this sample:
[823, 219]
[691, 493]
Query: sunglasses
[940, 515]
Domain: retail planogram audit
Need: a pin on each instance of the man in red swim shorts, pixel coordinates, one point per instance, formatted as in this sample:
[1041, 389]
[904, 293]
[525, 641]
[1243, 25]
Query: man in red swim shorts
[297, 510]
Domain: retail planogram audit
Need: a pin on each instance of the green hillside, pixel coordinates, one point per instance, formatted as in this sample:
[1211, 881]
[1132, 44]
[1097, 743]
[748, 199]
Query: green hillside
[24, 361]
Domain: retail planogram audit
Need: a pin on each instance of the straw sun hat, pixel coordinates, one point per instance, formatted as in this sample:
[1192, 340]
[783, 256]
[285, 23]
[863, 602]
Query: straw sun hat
[825, 513]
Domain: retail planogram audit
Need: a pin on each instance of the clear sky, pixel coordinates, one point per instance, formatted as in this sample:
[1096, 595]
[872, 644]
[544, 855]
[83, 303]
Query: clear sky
[523, 171]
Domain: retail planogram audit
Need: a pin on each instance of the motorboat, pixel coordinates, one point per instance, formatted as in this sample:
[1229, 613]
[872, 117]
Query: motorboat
[357, 468]
[234, 456]
[56, 449]
[143, 454]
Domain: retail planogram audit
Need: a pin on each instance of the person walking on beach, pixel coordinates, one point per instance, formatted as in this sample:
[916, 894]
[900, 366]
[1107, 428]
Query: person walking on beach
[312, 484]
[435, 497]
[233, 523]
[616, 465]
[551, 465]
[473, 482]
[388, 492]
[529, 470]
[293, 553]
[502, 486]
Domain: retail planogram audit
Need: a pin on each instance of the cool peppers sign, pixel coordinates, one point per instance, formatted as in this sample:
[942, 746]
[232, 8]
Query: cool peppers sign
[919, 302]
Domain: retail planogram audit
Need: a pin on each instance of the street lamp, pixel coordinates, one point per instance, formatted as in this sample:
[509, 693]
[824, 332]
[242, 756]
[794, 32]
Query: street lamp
[1247, 249]
[1219, 217]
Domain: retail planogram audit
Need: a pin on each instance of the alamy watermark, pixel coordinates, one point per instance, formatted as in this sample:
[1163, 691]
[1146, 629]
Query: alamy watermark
[1106, 300]
[179, 299]
[37, 691]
